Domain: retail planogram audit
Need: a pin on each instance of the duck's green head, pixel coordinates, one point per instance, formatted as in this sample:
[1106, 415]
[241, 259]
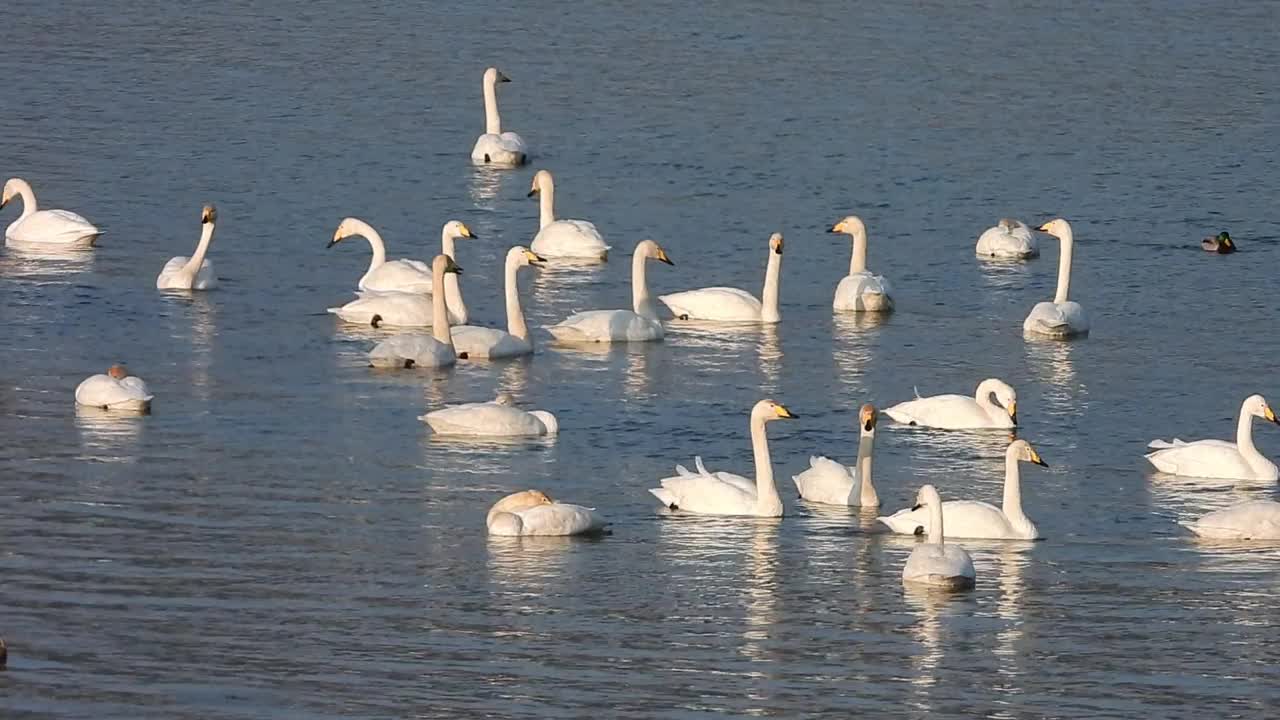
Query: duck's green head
[1224, 239]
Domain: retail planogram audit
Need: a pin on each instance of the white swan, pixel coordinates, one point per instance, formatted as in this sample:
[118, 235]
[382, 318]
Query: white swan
[1008, 239]
[393, 309]
[562, 239]
[531, 512]
[637, 325]
[724, 493]
[417, 350]
[860, 291]
[407, 276]
[973, 519]
[491, 419]
[827, 481]
[44, 228]
[495, 147]
[195, 272]
[958, 412]
[474, 342]
[115, 390]
[1061, 318]
[1254, 520]
[1239, 460]
[727, 304]
[933, 562]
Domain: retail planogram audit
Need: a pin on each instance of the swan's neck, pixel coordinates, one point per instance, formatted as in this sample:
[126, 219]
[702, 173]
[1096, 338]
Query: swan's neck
[935, 521]
[1244, 441]
[206, 237]
[768, 503]
[983, 397]
[515, 314]
[452, 287]
[769, 296]
[1012, 504]
[375, 242]
[439, 310]
[1064, 267]
[546, 202]
[28, 198]
[492, 120]
[858, 260]
[641, 303]
[867, 496]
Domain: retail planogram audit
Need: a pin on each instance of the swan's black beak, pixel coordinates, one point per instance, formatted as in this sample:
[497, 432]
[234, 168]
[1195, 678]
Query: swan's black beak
[3, 203]
[532, 192]
[503, 78]
[1040, 462]
[333, 242]
[868, 425]
[916, 507]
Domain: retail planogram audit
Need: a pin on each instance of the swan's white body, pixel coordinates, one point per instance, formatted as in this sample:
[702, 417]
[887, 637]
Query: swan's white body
[36, 228]
[1254, 520]
[128, 394]
[533, 513]
[1239, 460]
[723, 493]
[726, 304]
[974, 519]
[1062, 318]
[407, 276]
[860, 291]
[1008, 239]
[195, 272]
[495, 147]
[933, 562]
[959, 412]
[417, 350]
[394, 309]
[563, 239]
[827, 481]
[640, 324]
[491, 419]
[491, 343]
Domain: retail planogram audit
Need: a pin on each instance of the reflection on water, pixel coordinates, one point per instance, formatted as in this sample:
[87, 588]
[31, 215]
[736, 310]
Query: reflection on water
[486, 184]
[564, 278]
[1004, 274]
[109, 435]
[1052, 364]
[943, 456]
[44, 265]
[192, 318]
[928, 604]
[1012, 560]
[852, 348]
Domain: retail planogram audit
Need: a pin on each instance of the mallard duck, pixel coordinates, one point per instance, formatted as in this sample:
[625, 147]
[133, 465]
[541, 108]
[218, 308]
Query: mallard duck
[1221, 244]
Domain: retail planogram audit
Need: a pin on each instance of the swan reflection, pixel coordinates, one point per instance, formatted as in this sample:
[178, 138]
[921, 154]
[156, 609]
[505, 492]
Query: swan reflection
[109, 435]
[193, 319]
[44, 265]
[857, 335]
[1052, 363]
[486, 184]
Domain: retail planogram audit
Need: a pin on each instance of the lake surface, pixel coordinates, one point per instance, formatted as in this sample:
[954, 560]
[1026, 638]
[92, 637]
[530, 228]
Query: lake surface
[283, 538]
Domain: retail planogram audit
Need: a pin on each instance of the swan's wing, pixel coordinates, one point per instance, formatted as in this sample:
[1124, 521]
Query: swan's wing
[175, 264]
[606, 326]
[863, 291]
[398, 309]
[1202, 458]
[998, 242]
[410, 350]
[943, 411]
[1056, 319]
[827, 481]
[713, 303]
[561, 519]
[483, 419]
[512, 142]
[938, 564]
[706, 493]
[505, 149]
[52, 226]
[104, 390]
[408, 276]
[960, 518]
[569, 238]
[1254, 520]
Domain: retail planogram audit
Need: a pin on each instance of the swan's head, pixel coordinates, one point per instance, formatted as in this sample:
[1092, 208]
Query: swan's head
[456, 229]
[1257, 406]
[208, 215]
[1057, 228]
[494, 75]
[1022, 451]
[523, 256]
[10, 190]
[445, 264]
[652, 250]
[867, 417]
[1006, 396]
[541, 181]
[768, 411]
[850, 225]
[548, 421]
[775, 243]
[515, 502]
[927, 497]
[117, 372]
[349, 227]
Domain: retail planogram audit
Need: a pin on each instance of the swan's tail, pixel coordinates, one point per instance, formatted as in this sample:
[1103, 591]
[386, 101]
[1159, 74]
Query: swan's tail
[1165, 444]
[664, 495]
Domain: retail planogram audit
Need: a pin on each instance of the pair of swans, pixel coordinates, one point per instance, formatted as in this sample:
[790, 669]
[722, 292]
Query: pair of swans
[1218, 458]
[1009, 239]
[860, 290]
[640, 324]
[1062, 318]
[727, 304]
[498, 418]
[37, 229]
[827, 481]
[531, 512]
[575, 240]
[195, 272]
[933, 563]
[960, 412]
[115, 390]
[494, 147]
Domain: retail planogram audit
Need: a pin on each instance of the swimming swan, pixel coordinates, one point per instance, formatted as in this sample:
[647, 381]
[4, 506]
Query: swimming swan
[195, 272]
[408, 276]
[959, 412]
[933, 562]
[1254, 520]
[415, 349]
[827, 481]
[491, 419]
[724, 493]
[47, 228]
[562, 239]
[727, 304]
[531, 512]
[973, 519]
[1008, 239]
[860, 291]
[482, 342]
[115, 390]
[1217, 458]
[1061, 318]
[604, 326]
[494, 147]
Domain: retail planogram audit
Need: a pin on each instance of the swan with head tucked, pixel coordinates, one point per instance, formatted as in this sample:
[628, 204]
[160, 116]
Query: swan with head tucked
[195, 272]
[1061, 318]
[474, 342]
[407, 276]
[1253, 520]
[411, 350]
[860, 291]
[639, 324]
[562, 239]
[531, 512]
[494, 147]
[974, 519]
[1008, 239]
[727, 304]
[723, 493]
[115, 390]
[960, 412]
[498, 418]
[44, 228]
[827, 481]
[933, 562]
[1239, 460]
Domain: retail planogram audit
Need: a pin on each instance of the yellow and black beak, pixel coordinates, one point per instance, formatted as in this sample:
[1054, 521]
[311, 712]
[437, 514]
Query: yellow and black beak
[784, 413]
[869, 423]
[533, 192]
[534, 258]
[836, 228]
[336, 239]
[1035, 458]
[209, 215]
[3, 202]
[1044, 227]
[1013, 412]
[916, 507]
[1270, 414]
[466, 232]
[663, 257]
[452, 267]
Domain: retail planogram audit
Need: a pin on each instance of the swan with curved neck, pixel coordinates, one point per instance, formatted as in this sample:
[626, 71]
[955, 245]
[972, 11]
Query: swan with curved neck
[563, 239]
[195, 272]
[1061, 318]
[411, 350]
[727, 304]
[495, 147]
[1009, 239]
[960, 412]
[44, 228]
[827, 481]
[639, 324]
[1219, 459]
[974, 519]
[933, 562]
[531, 512]
[723, 493]
[860, 290]
[482, 342]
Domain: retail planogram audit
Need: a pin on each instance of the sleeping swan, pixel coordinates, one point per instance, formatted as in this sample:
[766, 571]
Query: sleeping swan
[115, 390]
[1254, 520]
[36, 228]
[1009, 239]
[494, 147]
[531, 512]
[933, 562]
[563, 239]
[474, 342]
[491, 419]
[411, 350]
[1217, 458]
[860, 291]
[959, 412]
[1062, 318]
[195, 272]
[639, 324]
[827, 481]
[727, 304]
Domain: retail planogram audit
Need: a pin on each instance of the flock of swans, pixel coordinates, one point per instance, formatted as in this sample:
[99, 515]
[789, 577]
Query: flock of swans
[412, 297]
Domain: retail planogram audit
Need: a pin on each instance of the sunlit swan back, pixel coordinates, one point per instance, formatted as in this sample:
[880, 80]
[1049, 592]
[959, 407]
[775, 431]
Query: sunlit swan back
[639, 324]
[728, 304]
[531, 512]
[933, 562]
[957, 412]
[827, 481]
[860, 291]
[412, 350]
[195, 272]
[563, 239]
[1217, 458]
[1009, 239]
[1062, 318]
[491, 419]
[494, 147]
[115, 390]
[44, 228]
